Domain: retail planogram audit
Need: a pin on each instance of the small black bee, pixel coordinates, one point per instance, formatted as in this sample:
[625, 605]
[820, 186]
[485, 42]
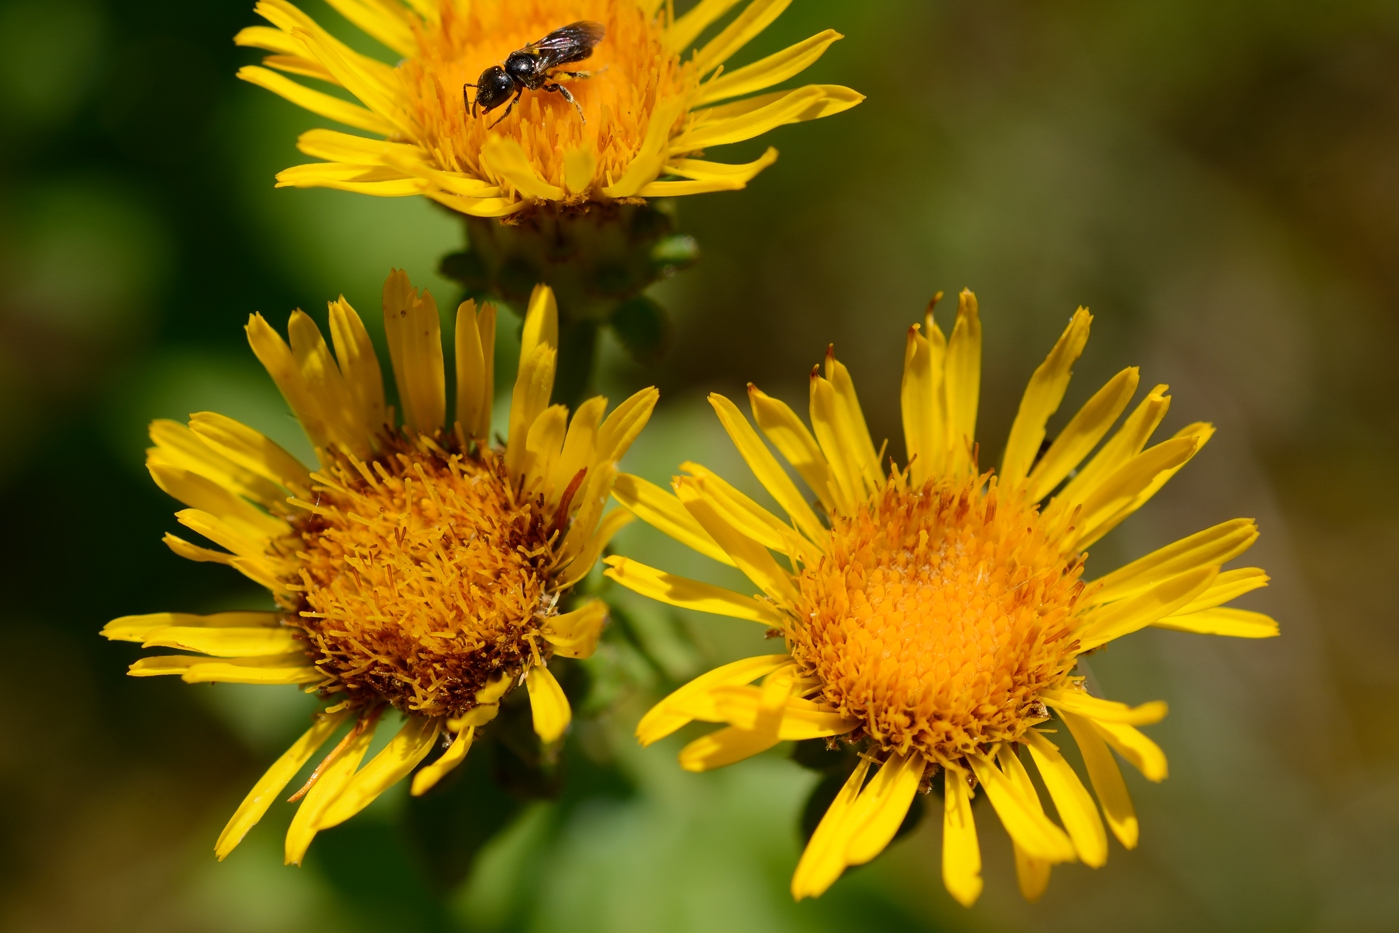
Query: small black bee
[532, 68]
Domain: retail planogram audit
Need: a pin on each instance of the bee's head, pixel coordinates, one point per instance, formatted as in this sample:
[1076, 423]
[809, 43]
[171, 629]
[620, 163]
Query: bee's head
[493, 88]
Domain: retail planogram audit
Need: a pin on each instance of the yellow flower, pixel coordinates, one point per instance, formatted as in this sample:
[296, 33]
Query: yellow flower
[935, 614]
[647, 110]
[416, 567]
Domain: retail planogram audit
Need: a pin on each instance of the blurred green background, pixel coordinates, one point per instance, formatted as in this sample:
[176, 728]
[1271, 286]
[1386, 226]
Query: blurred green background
[1217, 179]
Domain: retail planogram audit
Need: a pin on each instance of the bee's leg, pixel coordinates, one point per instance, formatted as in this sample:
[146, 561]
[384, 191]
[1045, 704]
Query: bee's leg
[560, 89]
[513, 101]
[466, 100]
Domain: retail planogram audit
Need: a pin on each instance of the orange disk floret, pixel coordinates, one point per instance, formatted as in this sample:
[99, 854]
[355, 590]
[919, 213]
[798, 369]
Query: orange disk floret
[421, 578]
[633, 72]
[938, 615]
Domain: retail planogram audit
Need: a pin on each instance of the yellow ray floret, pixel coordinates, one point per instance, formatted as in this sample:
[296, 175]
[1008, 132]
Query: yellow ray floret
[648, 103]
[934, 616]
[415, 567]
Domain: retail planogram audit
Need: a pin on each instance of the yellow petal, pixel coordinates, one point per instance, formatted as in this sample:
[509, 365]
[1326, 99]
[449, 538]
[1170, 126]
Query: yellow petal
[1041, 399]
[581, 565]
[1211, 547]
[1145, 755]
[915, 403]
[245, 542]
[322, 378]
[195, 669]
[256, 570]
[428, 776]
[543, 441]
[764, 466]
[1129, 488]
[226, 641]
[579, 449]
[616, 433]
[250, 449]
[1076, 701]
[725, 747]
[652, 155]
[541, 326]
[687, 27]
[268, 39]
[721, 175]
[883, 805]
[485, 327]
[1126, 443]
[1236, 623]
[768, 71]
[796, 443]
[851, 422]
[582, 532]
[961, 854]
[835, 446]
[335, 146]
[391, 765]
[179, 447]
[478, 206]
[579, 170]
[823, 859]
[750, 556]
[691, 594]
[276, 357]
[1031, 831]
[1031, 873]
[1229, 585]
[963, 382]
[358, 179]
[319, 103]
[204, 494]
[1081, 434]
[756, 17]
[1071, 799]
[387, 22]
[677, 709]
[575, 634]
[275, 780]
[414, 334]
[548, 705]
[1115, 620]
[796, 719]
[733, 123]
[1106, 778]
[359, 365]
[138, 628]
[753, 519]
[504, 158]
[533, 386]
[471, 365]
[331, 782]
[663, 511]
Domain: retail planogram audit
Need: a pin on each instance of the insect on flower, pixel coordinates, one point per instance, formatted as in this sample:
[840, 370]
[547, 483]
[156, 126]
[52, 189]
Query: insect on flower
[532, 68]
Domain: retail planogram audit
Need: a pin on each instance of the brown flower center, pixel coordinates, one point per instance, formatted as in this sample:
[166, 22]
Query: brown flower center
[420, 576]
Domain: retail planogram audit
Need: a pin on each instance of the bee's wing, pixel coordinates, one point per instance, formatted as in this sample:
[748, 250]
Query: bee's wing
[570, 43]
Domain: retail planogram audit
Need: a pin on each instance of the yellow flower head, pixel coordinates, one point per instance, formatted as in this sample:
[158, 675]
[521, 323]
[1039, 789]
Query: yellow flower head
[935, 614]
[415, 567]
[644, 107]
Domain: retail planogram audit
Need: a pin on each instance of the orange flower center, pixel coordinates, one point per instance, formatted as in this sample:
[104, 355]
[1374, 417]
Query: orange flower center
[633, 72]
[938, 615]
[419, 577]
